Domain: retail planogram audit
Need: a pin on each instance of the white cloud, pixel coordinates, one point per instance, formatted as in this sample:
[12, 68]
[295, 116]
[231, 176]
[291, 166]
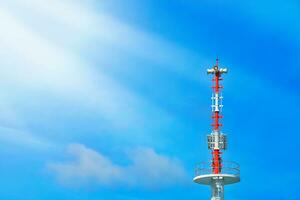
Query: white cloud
[34, 64]
[40, 64]
[87, 164]
[151, 169]
[147, 169]
[79, 17]
[24, 138]
[12, 129]
[74, 14]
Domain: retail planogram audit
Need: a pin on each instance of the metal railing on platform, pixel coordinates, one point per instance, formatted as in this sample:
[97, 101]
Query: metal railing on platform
[228, 167]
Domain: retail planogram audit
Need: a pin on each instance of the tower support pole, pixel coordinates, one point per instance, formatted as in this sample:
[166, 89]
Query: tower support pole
[217, 190]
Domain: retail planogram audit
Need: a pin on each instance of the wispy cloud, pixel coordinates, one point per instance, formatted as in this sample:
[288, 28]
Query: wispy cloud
[80, 18]
[13, 131]
[147, 169]
[23, 138]
[40, 64]
[33, 63]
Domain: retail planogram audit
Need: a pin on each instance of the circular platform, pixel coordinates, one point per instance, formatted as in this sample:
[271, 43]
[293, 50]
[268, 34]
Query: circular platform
[229, 173]
[207, 179]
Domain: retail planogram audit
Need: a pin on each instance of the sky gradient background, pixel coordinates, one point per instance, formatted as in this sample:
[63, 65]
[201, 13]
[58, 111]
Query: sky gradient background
[109, 100]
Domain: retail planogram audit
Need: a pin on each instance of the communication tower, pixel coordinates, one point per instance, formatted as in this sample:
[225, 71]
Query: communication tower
[217, 173]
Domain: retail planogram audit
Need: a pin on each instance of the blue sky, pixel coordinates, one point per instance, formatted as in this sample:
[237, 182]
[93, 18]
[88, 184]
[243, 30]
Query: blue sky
[110, 99]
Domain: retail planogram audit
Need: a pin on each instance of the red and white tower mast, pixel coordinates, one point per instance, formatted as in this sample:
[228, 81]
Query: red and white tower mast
[217, 172]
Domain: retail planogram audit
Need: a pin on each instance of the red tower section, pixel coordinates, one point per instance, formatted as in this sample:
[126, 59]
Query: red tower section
[216, 116]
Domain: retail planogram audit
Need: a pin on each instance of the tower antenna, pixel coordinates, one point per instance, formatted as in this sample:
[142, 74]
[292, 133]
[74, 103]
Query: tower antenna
[217, 173]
